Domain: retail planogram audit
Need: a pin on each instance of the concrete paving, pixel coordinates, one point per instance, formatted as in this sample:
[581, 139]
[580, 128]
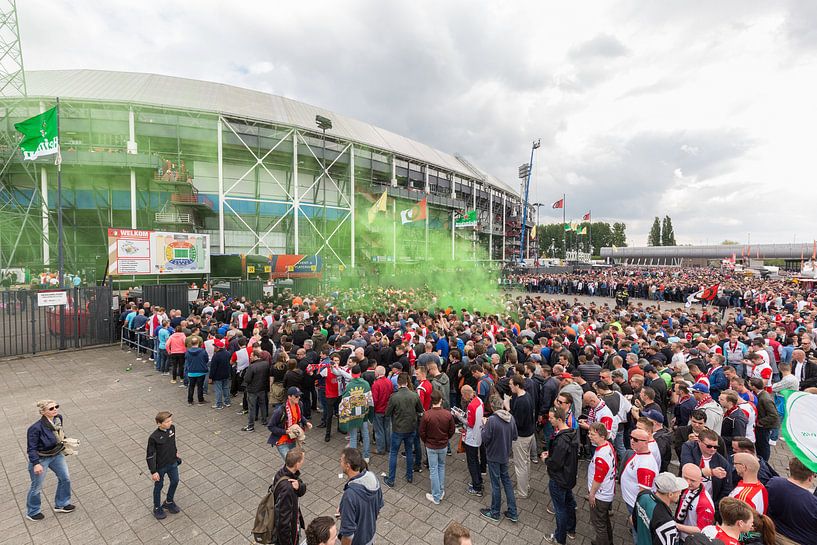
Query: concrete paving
[225, 471]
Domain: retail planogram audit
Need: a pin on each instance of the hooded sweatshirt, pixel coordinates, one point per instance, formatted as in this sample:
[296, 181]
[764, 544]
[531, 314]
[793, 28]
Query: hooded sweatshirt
[498, 435]
[360, 504]
[196, 362]
[443, 385]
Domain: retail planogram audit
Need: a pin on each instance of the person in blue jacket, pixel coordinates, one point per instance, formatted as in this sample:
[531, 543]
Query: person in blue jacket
[45, 451]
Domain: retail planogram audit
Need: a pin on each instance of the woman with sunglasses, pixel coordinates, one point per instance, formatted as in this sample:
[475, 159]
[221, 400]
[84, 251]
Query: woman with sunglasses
[45, 451]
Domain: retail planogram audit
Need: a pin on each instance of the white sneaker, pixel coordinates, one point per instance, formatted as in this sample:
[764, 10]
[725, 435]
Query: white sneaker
[430, 498]
[366, 460]
[772, 442]
[442, 496]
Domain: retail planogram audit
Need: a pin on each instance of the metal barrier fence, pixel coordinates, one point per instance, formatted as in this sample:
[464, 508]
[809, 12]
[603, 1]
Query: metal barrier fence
[26, 328]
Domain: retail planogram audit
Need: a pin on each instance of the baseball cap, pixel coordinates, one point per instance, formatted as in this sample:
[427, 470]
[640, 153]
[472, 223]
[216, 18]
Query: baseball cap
[698, 387]
[667, 483]
[294, 391]
[219, 343]
[565, 375]
[654, 415]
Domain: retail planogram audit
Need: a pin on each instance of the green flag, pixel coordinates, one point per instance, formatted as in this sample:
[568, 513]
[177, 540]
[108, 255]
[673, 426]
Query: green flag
[40, 136]
[469, 219]
[568, 227]
[800, 427]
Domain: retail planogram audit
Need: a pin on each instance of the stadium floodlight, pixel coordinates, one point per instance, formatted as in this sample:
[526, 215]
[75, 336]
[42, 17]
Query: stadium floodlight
[524, 170]
[324, 123]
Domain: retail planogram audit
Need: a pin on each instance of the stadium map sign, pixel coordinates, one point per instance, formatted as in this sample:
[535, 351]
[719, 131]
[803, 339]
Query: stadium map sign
[133, 252]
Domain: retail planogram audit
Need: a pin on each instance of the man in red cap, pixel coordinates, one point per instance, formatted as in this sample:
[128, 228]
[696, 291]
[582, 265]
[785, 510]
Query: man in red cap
[220, 374]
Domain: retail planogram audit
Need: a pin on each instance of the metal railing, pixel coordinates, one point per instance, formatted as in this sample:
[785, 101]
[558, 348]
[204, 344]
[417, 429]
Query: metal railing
[26, 328]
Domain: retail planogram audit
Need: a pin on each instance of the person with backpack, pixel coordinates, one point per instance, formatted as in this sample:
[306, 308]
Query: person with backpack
[287, 489]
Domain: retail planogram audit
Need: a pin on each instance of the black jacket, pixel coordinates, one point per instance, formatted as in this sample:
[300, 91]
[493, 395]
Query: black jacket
[161, 449]
[767, 416]
[220, 367]
[691, 454]
[547, 395]
[288, 517]
[663, 438]
[563, 458]
[256, 379]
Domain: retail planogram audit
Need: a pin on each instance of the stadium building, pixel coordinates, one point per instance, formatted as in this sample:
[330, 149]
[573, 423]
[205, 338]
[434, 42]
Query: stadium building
[262, 174]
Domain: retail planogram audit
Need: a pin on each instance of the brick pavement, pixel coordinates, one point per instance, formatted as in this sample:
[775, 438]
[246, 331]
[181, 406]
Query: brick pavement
[225, 471]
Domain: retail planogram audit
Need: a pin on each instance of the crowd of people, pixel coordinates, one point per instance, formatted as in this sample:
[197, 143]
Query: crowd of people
[675, 410]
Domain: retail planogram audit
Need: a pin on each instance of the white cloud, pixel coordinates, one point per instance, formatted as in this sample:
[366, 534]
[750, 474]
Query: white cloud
[699, 110]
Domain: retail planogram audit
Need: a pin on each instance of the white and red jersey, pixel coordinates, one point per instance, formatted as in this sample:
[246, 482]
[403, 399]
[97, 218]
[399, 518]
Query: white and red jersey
[603, 414]
[268, 320]
[752, 493]
[639, 474]
[702, 379]
[763, 371]
[604, 464]
[155, 322]
[241, 359]
[242, 320]
[751, 417]
[697, 509]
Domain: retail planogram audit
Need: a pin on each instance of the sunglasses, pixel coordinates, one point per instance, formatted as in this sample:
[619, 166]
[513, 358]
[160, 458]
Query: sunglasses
[55, 407]
[709, 446]
[636, 440]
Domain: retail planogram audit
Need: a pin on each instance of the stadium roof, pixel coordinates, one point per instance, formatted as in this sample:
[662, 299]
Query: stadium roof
[189, 94]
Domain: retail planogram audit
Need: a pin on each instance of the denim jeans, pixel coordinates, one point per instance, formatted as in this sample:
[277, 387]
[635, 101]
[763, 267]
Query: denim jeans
[501, 480]
[257, 405]
[222, 388]
[436, 471]
[191, 386]
[618, 445]
[762, 446]
[283, 449]
[418, 449]
[472, 458]
[322, 399]
[172, 472]
[382, 432]
[564, 504]
[163, 362]
[59, 466]
[396, 440]
[364, 431]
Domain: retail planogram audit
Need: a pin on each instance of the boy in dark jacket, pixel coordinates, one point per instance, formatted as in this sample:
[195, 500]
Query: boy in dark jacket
[287, 489]
[498, 436]
[562, 464]
[162, 459]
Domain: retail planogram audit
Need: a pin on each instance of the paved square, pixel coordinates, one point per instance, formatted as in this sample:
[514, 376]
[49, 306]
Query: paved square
[225, 471]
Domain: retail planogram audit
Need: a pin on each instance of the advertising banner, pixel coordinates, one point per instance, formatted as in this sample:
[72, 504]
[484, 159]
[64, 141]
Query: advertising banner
[296, 266]
[135, 252]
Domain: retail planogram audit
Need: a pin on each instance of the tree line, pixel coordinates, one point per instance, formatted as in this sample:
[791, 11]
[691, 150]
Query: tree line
[661, 233]
[551, 237]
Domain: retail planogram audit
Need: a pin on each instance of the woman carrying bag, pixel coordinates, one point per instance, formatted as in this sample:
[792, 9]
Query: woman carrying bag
[47, 450]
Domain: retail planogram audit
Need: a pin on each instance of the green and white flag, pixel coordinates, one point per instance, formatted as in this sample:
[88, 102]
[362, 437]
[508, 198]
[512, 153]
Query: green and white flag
[40, 136]
[800, 427]
[469, 219]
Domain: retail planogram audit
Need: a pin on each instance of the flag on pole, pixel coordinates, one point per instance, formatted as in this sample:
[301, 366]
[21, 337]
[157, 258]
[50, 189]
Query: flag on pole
[559, 204]
[707, 294]
[533, 233]
[40, 137]
[415, 213]
[586, 217]
[814, 251]
[379, 206]
[469, 219]
[574, 226]
[583, 231]
[568, 227]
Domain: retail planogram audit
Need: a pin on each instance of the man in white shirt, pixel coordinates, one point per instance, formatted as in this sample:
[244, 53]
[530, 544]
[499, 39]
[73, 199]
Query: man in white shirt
[601, 483]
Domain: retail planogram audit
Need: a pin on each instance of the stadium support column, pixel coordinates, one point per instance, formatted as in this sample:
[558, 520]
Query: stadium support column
[393, 171]
[474, 208]
[296, 206]
[132, 199]
[504, 225]
[427, 191]
[453, 235]
[491, 225]
[44, 205]
[219, 151]
[352, 200]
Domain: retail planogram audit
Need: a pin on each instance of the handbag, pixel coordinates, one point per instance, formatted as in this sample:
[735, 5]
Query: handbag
[70, 446]
[461, 444]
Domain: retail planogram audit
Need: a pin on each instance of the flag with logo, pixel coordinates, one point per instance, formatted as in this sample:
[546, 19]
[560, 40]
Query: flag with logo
[40, 136]
[378, 206]
[415, 213]
[533, 233]
[559, 204]
[583, 231]
[468, 219]
[586, 217]
[568, 227]
[707, 294]
[800, 427]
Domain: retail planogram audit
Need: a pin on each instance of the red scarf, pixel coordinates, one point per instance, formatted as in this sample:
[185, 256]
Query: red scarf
[293, 417]
[706, 399]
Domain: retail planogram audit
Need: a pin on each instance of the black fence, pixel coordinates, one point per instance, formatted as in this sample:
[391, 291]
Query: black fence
[26, 328]
[167, 295]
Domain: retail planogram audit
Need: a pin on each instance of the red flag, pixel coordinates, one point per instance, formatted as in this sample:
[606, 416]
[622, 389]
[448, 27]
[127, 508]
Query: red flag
[559, 204]
[709, 293]
[586, 217]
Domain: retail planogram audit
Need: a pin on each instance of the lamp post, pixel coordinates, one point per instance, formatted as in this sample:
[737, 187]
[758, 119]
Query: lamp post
[323, 123]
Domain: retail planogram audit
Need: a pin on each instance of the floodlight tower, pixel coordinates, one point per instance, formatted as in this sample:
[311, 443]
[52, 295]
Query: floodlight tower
[525, 173]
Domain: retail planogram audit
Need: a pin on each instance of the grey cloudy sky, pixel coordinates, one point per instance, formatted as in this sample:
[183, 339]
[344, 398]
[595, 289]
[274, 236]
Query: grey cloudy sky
[700, 110]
